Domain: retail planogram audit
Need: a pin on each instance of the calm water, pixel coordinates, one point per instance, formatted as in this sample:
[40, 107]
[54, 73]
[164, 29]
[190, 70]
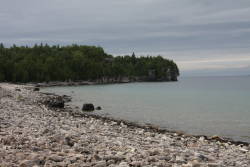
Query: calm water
[197, 105]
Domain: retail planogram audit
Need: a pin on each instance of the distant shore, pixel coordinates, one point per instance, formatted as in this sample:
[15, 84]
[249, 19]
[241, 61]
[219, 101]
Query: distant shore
[95, 140]
[93, 82]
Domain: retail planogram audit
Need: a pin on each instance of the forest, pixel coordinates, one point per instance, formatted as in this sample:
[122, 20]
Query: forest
[44, 63]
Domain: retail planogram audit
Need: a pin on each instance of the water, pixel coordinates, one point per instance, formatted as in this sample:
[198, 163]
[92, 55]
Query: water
[195, 105]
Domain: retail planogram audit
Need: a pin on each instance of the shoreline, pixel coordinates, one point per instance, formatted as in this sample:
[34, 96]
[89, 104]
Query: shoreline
[82, 83]
[147, 126]
[119, 135]
[157, 129]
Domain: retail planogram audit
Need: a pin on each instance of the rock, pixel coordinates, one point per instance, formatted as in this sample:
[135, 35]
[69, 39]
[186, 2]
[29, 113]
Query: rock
[202, 139]
[36, 149]
[152, 159]
[213, 165]
[161, 164]
[66, 98]
[56, 158]
[116, 158]
[101, 164]
[69, 141]
[180, 159]
[17, 89]
[33, 160]
[27, 163]
[36, 89]
[243, 150]
[201, 157]
[98, 108]
[123, 164]
[211, 150]
[97, 157]
[215, 137]
[154, 152]
[55, 102]
[136, 163]
[88, 107]
[192, 164]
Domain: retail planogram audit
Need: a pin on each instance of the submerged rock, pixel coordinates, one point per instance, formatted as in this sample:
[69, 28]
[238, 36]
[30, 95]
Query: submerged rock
[98, 108]
[36, 89]
[88, 107]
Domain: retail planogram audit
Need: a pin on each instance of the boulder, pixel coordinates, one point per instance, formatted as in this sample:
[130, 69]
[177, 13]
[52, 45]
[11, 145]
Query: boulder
[36, 89]
[217, 138]
[88, 107]
[98, 108]
[55, 102]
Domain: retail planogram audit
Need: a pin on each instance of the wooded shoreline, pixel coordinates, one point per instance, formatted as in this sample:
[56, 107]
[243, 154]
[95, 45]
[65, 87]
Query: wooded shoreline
[44, 63]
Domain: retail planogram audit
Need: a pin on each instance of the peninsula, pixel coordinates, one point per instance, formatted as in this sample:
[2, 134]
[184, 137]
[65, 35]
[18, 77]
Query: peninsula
[42, 63]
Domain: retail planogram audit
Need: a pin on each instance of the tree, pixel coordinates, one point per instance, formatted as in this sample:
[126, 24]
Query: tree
[77, 62]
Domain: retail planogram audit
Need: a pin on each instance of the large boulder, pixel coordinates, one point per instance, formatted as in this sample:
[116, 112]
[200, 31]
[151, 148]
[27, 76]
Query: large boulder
[55, 102]
[88, 107]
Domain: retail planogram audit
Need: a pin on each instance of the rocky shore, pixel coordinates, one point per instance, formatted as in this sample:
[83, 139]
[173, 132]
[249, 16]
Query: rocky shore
[102, 81]
[32, 134]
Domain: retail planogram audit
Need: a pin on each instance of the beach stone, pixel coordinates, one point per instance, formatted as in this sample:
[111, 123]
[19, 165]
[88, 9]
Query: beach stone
[180, 159]
[218, 138]
[243, 150]
[193, 164]
[66, 98]
[151, 159]
[116, 158]
[201, 157]
[123, 164]
[213, 165]
[33, 160]
[27, 163]
[101, 164]
[154, 152]
[17, 89]
[110, 162]
[136, 163]
[69, 141]
[202, 139]
[55, 158]
[88, 107]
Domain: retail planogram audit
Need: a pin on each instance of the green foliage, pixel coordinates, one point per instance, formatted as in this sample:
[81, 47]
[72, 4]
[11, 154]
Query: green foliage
[54, 63]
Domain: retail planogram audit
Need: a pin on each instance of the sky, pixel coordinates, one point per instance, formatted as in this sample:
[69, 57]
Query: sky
[203, 37]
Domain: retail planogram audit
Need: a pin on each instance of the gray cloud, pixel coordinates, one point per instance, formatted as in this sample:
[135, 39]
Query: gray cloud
[181, 30]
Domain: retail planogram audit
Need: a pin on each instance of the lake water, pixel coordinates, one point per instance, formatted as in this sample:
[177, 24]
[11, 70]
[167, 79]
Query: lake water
[195, 105]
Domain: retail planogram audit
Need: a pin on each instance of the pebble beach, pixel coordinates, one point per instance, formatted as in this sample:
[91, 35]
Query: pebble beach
[32, 134]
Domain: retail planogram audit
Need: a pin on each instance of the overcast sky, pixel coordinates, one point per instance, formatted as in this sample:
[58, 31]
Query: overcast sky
[204, 37]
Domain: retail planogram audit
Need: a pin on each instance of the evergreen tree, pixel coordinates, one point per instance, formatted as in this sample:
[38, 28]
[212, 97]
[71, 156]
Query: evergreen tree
[77, 62]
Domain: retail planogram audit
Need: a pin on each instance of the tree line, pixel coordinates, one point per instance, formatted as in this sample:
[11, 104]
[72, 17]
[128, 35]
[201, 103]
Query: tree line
[41, 63]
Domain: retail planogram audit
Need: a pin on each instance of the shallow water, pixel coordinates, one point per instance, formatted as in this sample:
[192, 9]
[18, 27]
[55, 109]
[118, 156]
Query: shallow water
[195, 105]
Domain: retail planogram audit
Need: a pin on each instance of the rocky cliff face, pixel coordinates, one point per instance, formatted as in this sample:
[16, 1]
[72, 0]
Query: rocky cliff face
[151, 77]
